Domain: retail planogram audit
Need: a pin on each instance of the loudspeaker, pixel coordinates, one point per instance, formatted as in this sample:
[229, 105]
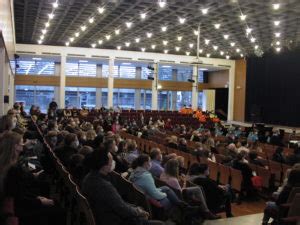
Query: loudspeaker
[6, 99]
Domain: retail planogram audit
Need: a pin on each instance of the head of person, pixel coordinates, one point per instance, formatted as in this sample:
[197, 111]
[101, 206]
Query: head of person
[110, 145]
[180, 160]
[85, 150]
[143, 161]
[155, 154]
[7, 123]
[122, 146]
[294, 178]
[101, 160]
[172, 168]
[182, 141]
[71, 140]
[52, 125]
[252, 155]
[91, 135]
[11, 145]
[241, 155]
[279, 150]
[203, 169]
[131, 146]
[51, 138]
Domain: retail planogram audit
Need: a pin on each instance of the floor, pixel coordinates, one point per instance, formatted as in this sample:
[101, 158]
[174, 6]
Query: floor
[241, 220]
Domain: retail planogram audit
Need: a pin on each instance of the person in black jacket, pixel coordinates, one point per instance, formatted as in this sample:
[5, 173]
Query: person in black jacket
[216, 195]
[106, 203]
[278, 156]
[69, 148]
[254, 160]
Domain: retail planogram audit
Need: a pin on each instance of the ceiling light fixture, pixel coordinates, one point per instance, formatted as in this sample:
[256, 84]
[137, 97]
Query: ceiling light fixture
[164, 29]
[276, 23]
[137, 40]
[221, 53]
[47, 24]
[77, 34]
[83, 28]
[277, 43]
[204, 11]
[253, 39]
[101, 10]
[206, 41]
[117, 32]
[91, 20]
[153, 46]
[165, 42]
[248, 30]
[149, 35]
[207, 55]
[278, 49]
[42, 37]
[277, 34]
[227, 57]
[226, 36]
[187, 53]
[243, 17]
[256, 46]
[143, 49]
[93, 45]
[191, 45]
[166, 51]
[217, 25]
[71, 39]
[232, 44]
[67, 43]
[127, 44]
[107, 37]
[55, 4]
[40, 42]
[196, 32]
[119, 47]
[177, 49]
[161, 3]
[44, 31]
[128, 24]
[215, 47]
[238, 50]
[51, 15]
[100, 42]
[200, 50]
[242, 55]
[179, 38]
[276, 6]
[181, 20]
[143, 16]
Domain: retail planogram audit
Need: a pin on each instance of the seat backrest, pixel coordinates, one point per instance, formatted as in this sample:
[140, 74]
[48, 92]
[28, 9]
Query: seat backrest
[141, 200]
[276, 169]
[224, 174]
[294, 191]
[86, 216]
[236, 179]
[213, 170]
[295, 207]
[265, 175]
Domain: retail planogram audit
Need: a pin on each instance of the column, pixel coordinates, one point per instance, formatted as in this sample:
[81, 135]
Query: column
[62, 83]
[195, 88]
[110, 93]
[137, 94]
[209, 100]
[154, 87]
[231, 92]
[56, 88]
[98, 90]
[174, 93]
[2, 82]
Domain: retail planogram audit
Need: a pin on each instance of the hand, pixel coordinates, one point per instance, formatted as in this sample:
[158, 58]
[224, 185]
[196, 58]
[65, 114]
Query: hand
[143, 213]
[46, 201]
[222, 187]
[38, 173]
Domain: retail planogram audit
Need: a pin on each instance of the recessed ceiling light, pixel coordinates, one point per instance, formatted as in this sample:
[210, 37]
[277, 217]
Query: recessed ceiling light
[177, 49]
[137, 40]
[101, 10]
[206, 41]
[217, 25]
[127, 44]
[161, 3]
[227, 57]
[149, 35]
[71, 39]
[276, 6]
[40, 41]
[200, 50]
[277, 34]
[253, 39]
[153, 46]
[226, 36]
[277, 43]
[128, 24]
[207, 55]
[276, 23]
[278, 49]
[203, 69]
[143, 15]
[107, 37]
[47, 24]
[91, 20]
[119, 47]
[165, 42]
[67, 43]
[76, 34]
[187, 53]
[44, 31]
[51, 15]
[221, 53]
[100, 42]
[191, 45]
[42, 37]
[179, 38]
[215, 47]
[181, 20]
[238, 50]
[117, 32]
[248, 30]
[256, 46]
[196, 32]
[204, 11]
[164, 29]
[93, 45]
[83, 28]
[166, 51]
[243, 17]
[143, 49]
[242, 55]
[55, 4]
[232, 44]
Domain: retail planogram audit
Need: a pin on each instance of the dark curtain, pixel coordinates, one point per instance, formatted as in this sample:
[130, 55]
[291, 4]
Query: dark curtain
[273, 89]
[221, 103]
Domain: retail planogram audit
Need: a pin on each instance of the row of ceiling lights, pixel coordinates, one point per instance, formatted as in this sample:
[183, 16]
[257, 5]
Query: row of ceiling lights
[162, 4]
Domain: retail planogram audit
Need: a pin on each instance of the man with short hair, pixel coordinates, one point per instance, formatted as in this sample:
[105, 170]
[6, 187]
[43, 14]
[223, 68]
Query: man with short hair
[156, 158]
[107, 205]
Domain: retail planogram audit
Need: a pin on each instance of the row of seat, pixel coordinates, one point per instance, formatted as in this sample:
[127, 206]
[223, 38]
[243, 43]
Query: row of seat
[8, 212]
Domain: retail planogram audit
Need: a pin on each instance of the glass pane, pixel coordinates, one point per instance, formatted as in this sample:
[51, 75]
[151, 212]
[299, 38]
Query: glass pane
[25, 94]
[200, 78]
[146, 72]
[71, 97]
[124, 98]
[71, 69]
[105, 71]
[127, 72]
[183, 74]
[104, 98]
[183, 98]
[162, 99]
[200, 103]
[87, 69]
[165, 73]
[43, 96]
[146, 99]
[87, 97]
[35, 67]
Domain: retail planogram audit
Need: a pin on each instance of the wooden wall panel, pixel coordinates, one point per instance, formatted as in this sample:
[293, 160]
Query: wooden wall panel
[218, 79]
[131, 83]
[37, 80]
[175, 86]
[239, 90]
[95, 82]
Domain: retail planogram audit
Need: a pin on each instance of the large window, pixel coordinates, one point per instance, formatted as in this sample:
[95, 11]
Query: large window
[183, 74]
[200, 76]
[183, 98]
[164, 100]
[81, 69]
[146, 99]
[146, 72]
[124, 98]
[200, 99]
[165, 72]
[80, 97]
[104, 97]
[121, 71]
[35, 95]
[34, 67]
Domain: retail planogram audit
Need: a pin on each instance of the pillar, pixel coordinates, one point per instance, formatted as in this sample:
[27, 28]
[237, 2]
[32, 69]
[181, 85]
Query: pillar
[209, 100]
[231, 93]
[110, 93]
[154, 87]
[195, 88]
[174, 93]
[137, 94]
[98, 90]
[62, 82]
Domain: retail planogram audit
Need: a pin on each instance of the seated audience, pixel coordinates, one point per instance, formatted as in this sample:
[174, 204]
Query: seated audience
[156, 159]
[69, 148]
[278, 155]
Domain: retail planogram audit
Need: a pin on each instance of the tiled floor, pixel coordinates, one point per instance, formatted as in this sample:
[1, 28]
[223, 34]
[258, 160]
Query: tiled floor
[254, 219]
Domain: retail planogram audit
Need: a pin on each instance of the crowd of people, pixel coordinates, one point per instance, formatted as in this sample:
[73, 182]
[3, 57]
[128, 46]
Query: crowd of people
[91, 148]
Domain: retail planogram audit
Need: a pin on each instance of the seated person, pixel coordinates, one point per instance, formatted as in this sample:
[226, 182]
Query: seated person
[108, 208]
[156, 159]
[216, 195]
[254, 160]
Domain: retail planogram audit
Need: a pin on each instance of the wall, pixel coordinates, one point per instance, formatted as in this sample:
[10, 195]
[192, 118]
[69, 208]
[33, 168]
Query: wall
[240, 90]
[218, 79]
